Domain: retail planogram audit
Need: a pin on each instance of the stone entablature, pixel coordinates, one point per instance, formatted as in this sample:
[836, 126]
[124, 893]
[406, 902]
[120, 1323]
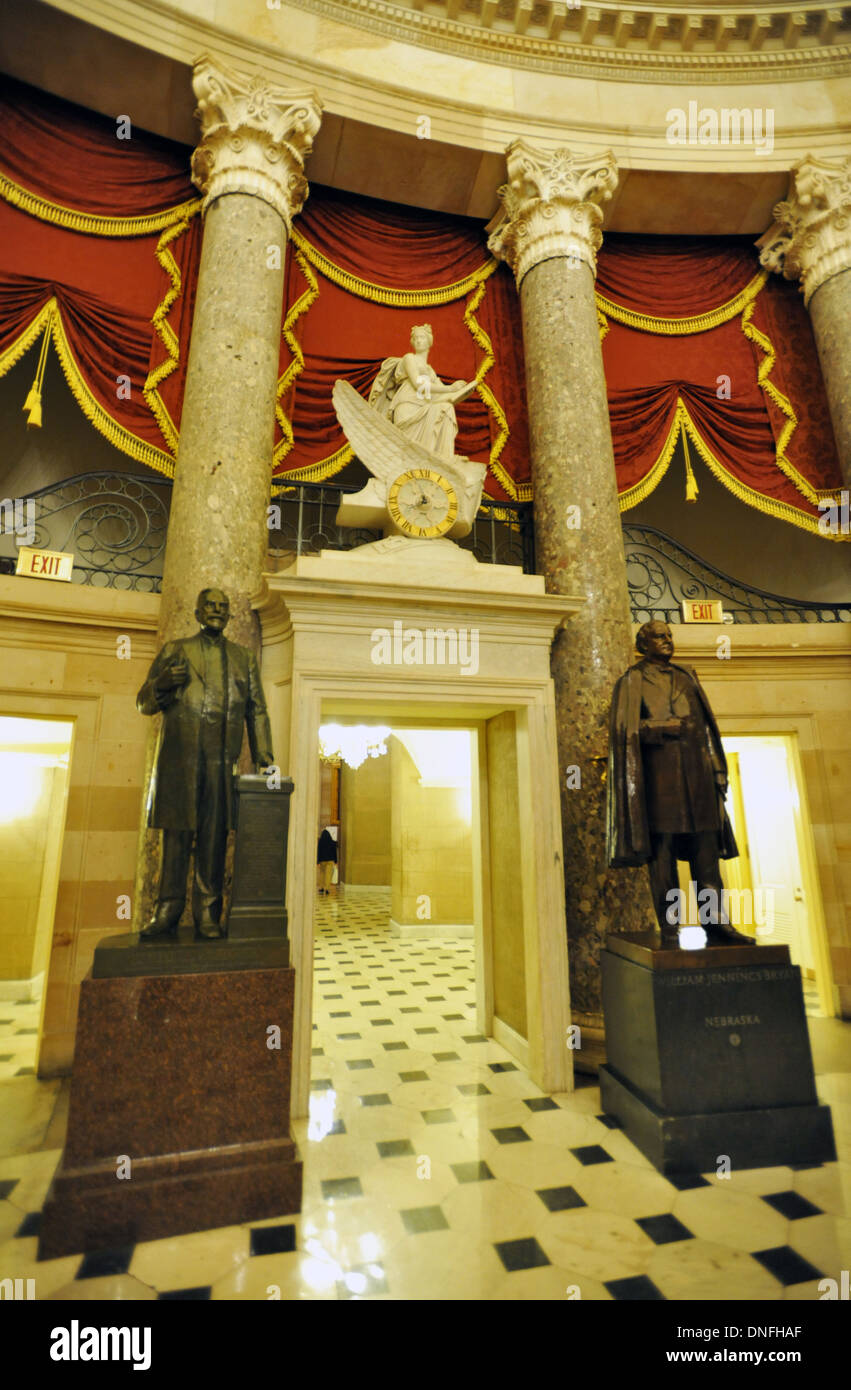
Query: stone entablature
[642, 42]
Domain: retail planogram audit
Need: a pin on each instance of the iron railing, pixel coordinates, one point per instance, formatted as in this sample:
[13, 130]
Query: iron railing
[661, 573]
[115, 524]
[304, 523]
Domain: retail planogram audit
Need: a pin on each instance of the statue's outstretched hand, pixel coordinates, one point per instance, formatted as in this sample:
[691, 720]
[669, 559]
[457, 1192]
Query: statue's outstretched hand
[461, 390]
[175, 675]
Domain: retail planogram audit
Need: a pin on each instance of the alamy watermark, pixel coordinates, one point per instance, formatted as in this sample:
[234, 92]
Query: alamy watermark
[722, 125]
[738, 906]
[18, 516]
[431, 646]
[835, 519]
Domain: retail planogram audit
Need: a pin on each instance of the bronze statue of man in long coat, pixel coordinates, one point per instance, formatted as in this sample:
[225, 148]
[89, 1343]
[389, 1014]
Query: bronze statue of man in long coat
[207, 690]
[667, 781]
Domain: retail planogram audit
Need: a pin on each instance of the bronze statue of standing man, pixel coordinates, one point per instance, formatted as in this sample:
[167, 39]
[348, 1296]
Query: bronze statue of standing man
[667, 781]
[207, 690]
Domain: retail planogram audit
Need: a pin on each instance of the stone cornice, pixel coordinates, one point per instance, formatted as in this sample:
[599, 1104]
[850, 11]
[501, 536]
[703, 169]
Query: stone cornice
[811, 237]
[643, 43]
[255, 137]
[550, 207]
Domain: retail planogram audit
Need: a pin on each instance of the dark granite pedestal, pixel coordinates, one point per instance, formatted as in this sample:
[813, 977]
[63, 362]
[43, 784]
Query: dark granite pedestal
[180, 1073]
[708, 1055]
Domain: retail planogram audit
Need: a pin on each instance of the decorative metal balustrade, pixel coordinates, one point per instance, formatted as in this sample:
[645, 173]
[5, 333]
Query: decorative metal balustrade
[661, 573]
[303, 522]
[115, 524]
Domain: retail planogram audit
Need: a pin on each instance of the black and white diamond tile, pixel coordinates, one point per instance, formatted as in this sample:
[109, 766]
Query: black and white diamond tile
[436, 1169]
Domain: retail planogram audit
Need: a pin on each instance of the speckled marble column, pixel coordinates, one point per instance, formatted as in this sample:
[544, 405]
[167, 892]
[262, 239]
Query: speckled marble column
[550, 236]
[810, 241]
[249, 165]
[830, 311]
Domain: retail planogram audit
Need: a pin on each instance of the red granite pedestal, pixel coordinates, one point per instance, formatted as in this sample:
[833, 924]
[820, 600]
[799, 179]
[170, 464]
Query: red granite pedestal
[176, 1074]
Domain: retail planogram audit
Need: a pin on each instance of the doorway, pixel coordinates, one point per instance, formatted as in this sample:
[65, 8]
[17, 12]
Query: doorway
[777, 855]
[34, 764]
[409, 848]
[773, 889]
[513, 880]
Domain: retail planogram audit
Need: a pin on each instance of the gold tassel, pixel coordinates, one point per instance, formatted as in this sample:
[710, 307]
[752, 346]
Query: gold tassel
[691, 480]
[32, 404]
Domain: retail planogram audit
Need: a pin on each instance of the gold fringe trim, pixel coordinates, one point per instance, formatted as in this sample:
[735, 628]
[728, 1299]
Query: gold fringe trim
[15, 351]
[94, 412]
[602, 323]
[766, 366]
[296, 367]
[93, 223]
[482, 341]
[166, 333]
[318, 472]
[699, 323]
[642, 489]
[683, 421]
[382, 294]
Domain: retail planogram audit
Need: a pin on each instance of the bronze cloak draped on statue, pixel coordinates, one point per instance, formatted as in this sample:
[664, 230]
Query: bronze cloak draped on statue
[627, 829]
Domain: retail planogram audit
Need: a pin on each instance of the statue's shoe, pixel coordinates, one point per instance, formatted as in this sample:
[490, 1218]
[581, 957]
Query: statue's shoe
[208, 929]
[720, 935]
[163, 923]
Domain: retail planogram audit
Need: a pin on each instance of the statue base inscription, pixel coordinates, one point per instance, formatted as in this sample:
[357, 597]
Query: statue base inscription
[179, 1109]
[708, 1055]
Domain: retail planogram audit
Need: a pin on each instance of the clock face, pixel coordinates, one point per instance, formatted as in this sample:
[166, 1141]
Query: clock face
[422, 503]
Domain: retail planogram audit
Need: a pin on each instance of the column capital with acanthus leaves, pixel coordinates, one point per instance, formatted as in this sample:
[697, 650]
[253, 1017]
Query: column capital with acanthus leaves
[810, 240]
[255, 137]
[551, 207]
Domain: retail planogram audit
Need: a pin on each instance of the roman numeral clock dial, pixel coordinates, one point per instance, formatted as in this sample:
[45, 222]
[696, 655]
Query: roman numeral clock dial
[422, 503]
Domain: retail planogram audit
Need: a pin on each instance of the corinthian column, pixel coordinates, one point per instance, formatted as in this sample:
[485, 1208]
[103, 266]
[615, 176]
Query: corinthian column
[811, 242]
[549, 233]
[250, 167]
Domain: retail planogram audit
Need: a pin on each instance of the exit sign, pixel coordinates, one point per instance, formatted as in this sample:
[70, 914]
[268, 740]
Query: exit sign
[702, 610]
[44, 564]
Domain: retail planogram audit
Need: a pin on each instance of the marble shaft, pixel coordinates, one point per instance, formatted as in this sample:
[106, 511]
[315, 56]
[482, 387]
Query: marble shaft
[830, 311]
[218, 524]
[249, 164]
[580, 551]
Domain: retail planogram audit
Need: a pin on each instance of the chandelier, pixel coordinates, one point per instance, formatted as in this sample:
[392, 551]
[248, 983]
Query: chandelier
[352, 743]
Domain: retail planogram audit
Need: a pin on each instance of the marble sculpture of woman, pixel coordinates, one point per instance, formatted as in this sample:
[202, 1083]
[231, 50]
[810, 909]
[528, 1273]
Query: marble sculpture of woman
[410, 393]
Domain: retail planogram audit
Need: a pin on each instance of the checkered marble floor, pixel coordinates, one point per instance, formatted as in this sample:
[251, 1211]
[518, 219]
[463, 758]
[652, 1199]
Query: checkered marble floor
[435, 1169]
[19, 1019]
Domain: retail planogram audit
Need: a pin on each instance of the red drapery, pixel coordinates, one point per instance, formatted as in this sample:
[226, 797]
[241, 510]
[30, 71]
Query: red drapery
[698, 343]
[100, 243]
[361, 276]
[101, 250]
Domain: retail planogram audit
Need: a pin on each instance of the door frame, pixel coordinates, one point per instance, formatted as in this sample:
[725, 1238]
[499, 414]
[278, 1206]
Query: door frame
[436, 703]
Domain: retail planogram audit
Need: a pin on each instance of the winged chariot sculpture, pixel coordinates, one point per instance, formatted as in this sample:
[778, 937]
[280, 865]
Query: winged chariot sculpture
[405, 436]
